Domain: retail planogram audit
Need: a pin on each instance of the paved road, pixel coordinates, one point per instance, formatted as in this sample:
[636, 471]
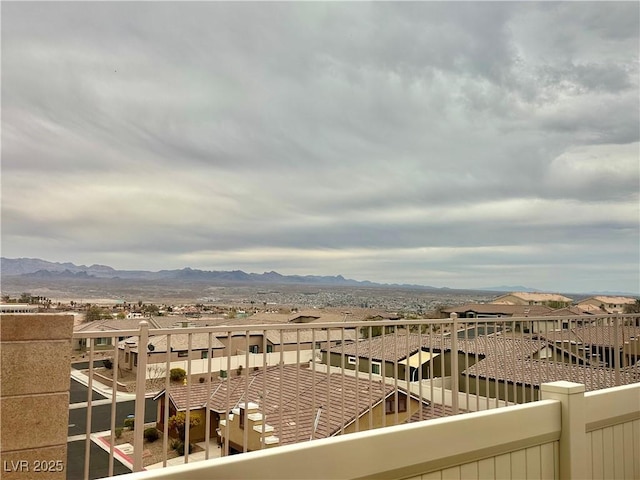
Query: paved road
[99, 462]
[101, 416]
[78, 393]
[100, 421]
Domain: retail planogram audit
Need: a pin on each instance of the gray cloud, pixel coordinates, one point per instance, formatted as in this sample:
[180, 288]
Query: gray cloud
[327, 138]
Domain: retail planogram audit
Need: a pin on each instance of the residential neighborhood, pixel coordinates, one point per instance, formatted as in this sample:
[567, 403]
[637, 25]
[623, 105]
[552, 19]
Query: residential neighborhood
[245, 382]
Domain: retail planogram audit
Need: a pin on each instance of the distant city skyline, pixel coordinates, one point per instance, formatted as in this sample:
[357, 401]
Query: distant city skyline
[450, 144]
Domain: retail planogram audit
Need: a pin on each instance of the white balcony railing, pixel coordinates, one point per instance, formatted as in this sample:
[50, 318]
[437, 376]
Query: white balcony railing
[262, 386]
[568, 435]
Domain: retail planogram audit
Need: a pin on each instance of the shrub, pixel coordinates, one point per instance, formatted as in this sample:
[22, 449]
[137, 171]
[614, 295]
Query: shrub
[177, 423]
[177, 374]
[175, 444]
[118, 432]
[151, 434]
[129, 423]
[108, 364]
[180, 448]
[201, 379]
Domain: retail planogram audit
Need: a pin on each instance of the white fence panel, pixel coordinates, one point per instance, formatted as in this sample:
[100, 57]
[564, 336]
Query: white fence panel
[613, 429]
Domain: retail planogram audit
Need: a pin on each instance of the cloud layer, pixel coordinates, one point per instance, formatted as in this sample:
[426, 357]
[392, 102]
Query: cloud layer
[451, 144]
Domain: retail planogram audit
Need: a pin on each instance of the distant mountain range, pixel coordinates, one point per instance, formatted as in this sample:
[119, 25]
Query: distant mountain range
[41, 269]
[510, 288]
[38, 269]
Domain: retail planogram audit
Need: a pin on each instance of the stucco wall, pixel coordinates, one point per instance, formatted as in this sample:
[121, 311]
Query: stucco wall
[35, 371]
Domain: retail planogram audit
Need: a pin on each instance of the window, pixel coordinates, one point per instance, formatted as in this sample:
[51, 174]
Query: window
[269, 348]
[390, 404]
[376, 368]
[135, 359]
[253, 348]
[204, 354]
[242, 413]
[103, 341]
[183, 354]
[351, 360]
[126, 357]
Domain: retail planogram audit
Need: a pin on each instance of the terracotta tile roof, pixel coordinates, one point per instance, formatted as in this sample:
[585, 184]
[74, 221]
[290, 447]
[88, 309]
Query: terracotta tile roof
[508, 310]
[179, 342]
[536, 372]
[504, 345]
[395, 347]
[605, 335]
[307, 336]
[110, 325]
[430, 411]
[592, 309]
[558, 336]
[391, 347]
[318, 315]
[291, 409]
[265, 318]
[181, 396]
[632, 369]
[566, 312]
[611, 300]
[171, 321]
[284, 401]
[295, 404]
[536, 297]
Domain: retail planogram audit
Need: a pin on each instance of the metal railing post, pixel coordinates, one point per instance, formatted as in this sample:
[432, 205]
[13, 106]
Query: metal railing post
[87, 445]
[454, 363]
[141, 384]
[617, 348]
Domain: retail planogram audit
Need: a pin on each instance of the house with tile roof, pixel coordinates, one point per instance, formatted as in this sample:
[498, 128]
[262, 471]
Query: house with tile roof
[292, 340]
[326, 404]
[605, 303]
[585, 354]
[607, 344]
[320, 315]
[111, 327]
[399, 356]
[520, 381]
[553, 300]
[414, 357]
[156, 349]
[503, 310]
[231, 343]
[496, 310]
[601, 345]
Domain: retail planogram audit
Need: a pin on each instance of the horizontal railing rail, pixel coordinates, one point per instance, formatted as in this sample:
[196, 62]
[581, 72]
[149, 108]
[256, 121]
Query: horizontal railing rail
[255, 386]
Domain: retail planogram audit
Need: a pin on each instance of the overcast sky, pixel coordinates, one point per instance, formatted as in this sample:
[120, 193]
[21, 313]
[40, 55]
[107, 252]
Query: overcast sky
[449, 144]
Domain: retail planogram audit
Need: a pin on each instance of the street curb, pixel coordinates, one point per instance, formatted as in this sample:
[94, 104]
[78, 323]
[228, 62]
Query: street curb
[123, 458]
